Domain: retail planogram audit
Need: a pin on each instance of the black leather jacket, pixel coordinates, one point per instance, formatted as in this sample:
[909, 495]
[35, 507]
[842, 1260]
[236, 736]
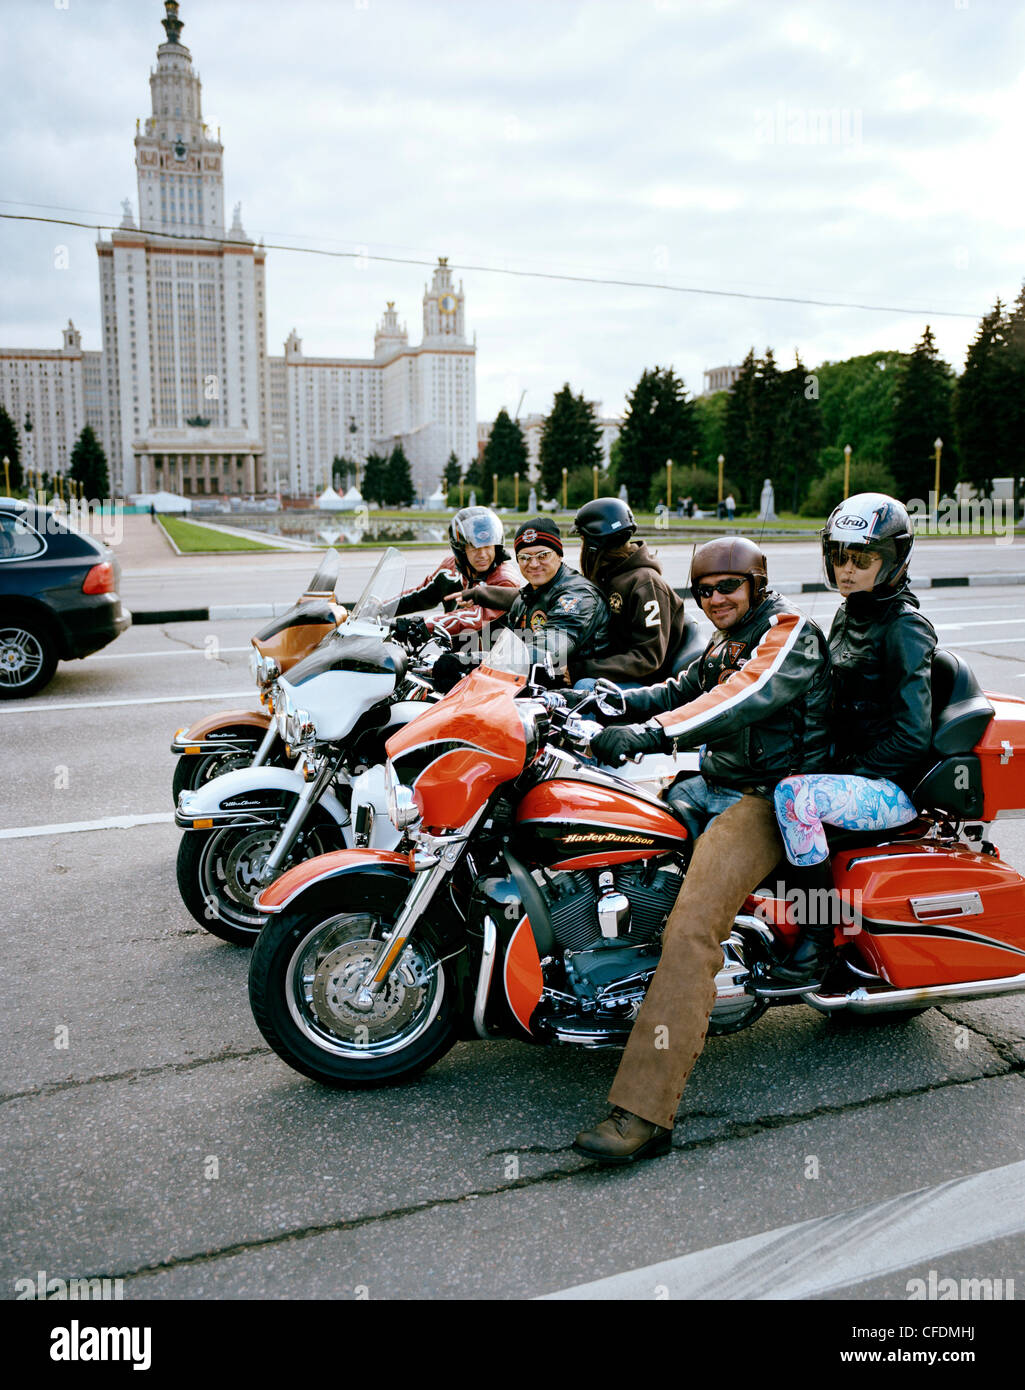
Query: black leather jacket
[568, 618]
[757, 698]
[881, 647]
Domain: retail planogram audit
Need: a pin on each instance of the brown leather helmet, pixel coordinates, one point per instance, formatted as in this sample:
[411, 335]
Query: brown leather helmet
[731, 555]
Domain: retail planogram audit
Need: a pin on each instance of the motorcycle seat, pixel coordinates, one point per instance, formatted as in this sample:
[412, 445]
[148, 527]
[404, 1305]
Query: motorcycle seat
[952, 774]
[693, 646]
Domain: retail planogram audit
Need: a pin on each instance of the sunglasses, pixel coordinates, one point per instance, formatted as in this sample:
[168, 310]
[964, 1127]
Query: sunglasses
[724, 586]
[535, 557]
[863, 559]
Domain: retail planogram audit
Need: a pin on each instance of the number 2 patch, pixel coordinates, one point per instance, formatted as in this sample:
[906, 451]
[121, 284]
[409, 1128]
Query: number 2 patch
[652, 618]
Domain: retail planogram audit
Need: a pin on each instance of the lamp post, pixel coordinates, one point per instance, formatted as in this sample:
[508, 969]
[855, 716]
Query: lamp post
[847, 451]
[721, 460]
[7, 475]
[516, 491]
[669, 485]
[494, 489]
[565, 502]
[937, 444]
[460, 492]
[594, 468]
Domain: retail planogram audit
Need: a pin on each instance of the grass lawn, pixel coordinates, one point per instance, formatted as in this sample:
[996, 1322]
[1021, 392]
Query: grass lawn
[191, 539]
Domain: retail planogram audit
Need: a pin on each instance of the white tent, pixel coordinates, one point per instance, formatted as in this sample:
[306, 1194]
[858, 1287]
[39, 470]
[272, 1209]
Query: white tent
[329, 501]
[352, 499]
[436, 502]
[162, 501]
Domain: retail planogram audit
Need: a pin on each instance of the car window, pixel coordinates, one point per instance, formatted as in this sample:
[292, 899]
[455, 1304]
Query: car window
[17, 540]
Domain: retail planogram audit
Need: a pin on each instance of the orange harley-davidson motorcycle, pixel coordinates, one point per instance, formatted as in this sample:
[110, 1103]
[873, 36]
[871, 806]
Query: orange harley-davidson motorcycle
[533, 896]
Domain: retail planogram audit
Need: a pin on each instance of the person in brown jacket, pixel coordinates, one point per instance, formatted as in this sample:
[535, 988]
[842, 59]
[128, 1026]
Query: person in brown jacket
[646, 626]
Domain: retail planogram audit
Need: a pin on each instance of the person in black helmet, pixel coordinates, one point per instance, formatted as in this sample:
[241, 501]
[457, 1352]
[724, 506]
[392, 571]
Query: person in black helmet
[881, 648]
[478, 557]
[756, 702]
[646, 620]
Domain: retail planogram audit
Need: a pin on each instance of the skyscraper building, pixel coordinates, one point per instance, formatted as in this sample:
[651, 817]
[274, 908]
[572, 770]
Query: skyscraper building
[184, 395]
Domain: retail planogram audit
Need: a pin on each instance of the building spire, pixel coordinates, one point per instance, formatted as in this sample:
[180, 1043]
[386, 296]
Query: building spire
[172, 24]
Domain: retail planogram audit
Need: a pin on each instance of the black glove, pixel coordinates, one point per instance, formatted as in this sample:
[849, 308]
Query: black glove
[613, 746]
[449, 670]
[573, 698]
[412, 630]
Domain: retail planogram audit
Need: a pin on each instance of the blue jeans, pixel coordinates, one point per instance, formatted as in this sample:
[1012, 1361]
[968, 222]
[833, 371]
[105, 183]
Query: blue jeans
[697, 804]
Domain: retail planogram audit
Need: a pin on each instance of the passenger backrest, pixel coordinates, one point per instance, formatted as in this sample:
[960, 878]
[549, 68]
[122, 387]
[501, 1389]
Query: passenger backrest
[960, 714]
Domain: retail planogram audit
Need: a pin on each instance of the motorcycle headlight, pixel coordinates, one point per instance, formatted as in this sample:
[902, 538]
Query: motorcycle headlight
[254, 665]
[402, 809]
[299, 728]
[285, 709]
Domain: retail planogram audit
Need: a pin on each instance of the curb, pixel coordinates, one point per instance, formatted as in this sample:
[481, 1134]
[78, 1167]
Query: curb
[276, 610]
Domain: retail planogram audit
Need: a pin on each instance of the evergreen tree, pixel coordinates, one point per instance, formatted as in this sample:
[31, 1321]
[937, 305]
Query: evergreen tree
[856, 406]
[10, 449]
[398, 480]
[453, 472]
[1014, 403]
[921, 413]
[570, 439]
[375, 479]
[797, 437]
[89, 466]
[659, 424]
[505, 453]
[981, 401]
[741, 425]
[343, 473]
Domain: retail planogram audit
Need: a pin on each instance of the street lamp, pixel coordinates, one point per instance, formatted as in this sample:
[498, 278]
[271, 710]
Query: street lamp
[565, 503]
[721, 460]
[7, 475]
[669, 485]
[594, 468]
[494, 489]
[937, 444]
[516, 491]
[847, 451]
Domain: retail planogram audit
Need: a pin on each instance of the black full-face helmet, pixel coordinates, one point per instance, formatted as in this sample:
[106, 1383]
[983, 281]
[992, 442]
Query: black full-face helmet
[604, 524]
[474, 527]
[869, 523]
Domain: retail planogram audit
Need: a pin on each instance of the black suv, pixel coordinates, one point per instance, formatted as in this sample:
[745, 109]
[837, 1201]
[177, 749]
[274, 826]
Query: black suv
[58, 596]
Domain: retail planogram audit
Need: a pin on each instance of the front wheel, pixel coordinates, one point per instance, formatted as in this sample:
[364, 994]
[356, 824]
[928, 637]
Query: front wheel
[220, 873]
[304, 981]
[28, 659]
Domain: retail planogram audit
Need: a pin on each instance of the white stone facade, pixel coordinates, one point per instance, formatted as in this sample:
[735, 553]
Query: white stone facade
[184, 394]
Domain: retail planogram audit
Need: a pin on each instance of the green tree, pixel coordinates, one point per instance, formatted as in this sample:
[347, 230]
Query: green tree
[10, 449]
[398, 480]
[505, 453]
[856, 399]
[741, 429]
[659, 424]
[453, 472]
[89, 466]
[1014, 404]
[710, 421]
[797, 435]
[980, 402]
[343, 472]
[827, 492]
[375, 479]
[570, 439]
[921, 413]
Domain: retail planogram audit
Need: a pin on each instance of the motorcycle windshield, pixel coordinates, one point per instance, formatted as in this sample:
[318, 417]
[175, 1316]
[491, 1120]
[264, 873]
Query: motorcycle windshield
[508, 654]
[380, 598]
[326, 575]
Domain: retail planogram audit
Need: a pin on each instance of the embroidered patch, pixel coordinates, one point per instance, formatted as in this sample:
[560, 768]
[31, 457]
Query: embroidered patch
[734, 651]
[566, 604]
[616, 602]
[538, 620]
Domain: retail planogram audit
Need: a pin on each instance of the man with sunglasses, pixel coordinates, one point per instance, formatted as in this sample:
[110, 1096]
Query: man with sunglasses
[557, 611]
[756, 704]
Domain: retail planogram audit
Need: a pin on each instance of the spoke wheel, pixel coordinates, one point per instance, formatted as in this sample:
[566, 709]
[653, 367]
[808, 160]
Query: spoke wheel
[304, 986]
[220, 872]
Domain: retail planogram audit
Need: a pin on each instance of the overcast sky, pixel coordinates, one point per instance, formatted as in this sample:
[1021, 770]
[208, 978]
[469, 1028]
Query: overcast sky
[863, 152]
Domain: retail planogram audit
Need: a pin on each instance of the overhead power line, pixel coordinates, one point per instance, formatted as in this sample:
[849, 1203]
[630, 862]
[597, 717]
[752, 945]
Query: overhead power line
[466, 266]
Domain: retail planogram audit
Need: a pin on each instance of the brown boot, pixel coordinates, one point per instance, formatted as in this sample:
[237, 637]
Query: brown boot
[622, 1138]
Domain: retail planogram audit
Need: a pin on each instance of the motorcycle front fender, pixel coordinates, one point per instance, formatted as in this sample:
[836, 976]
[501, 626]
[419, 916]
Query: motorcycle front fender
[322, 880]
[250, 791]
[203, 735]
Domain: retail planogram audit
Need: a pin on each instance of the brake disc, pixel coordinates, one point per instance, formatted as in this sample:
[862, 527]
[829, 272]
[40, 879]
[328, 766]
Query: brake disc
[338, 979]
[244, 865]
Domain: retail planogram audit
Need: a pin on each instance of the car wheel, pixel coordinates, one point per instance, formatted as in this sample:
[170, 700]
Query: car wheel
[28, 659]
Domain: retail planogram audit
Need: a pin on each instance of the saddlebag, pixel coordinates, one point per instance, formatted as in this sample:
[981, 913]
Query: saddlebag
[1001, 753]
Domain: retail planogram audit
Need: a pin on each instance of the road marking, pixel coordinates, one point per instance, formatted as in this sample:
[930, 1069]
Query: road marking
[988, 642]
[190, 651]
[833, 1252]
[985, 622]
[23, 832]
[30, 707]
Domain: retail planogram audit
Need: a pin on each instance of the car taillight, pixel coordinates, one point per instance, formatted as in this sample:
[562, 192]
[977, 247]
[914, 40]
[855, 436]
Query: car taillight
[100, 579]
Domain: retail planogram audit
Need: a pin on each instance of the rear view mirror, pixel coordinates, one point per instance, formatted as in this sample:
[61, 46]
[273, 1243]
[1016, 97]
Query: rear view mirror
[609, 698]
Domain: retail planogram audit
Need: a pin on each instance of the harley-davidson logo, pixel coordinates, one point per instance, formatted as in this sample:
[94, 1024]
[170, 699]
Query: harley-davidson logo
[604, 836]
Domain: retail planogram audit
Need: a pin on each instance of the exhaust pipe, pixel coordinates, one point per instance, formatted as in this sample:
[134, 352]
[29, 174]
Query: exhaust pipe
[863, 1001]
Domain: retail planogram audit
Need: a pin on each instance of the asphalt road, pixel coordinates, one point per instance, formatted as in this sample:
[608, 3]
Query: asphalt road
[148, 1134]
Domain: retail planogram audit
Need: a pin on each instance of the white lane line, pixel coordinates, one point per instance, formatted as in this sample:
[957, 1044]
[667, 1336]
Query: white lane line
[988, 642]
[35, 708]
[833, 1252]
[984, 622]
[23, 832]
[185, 651]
